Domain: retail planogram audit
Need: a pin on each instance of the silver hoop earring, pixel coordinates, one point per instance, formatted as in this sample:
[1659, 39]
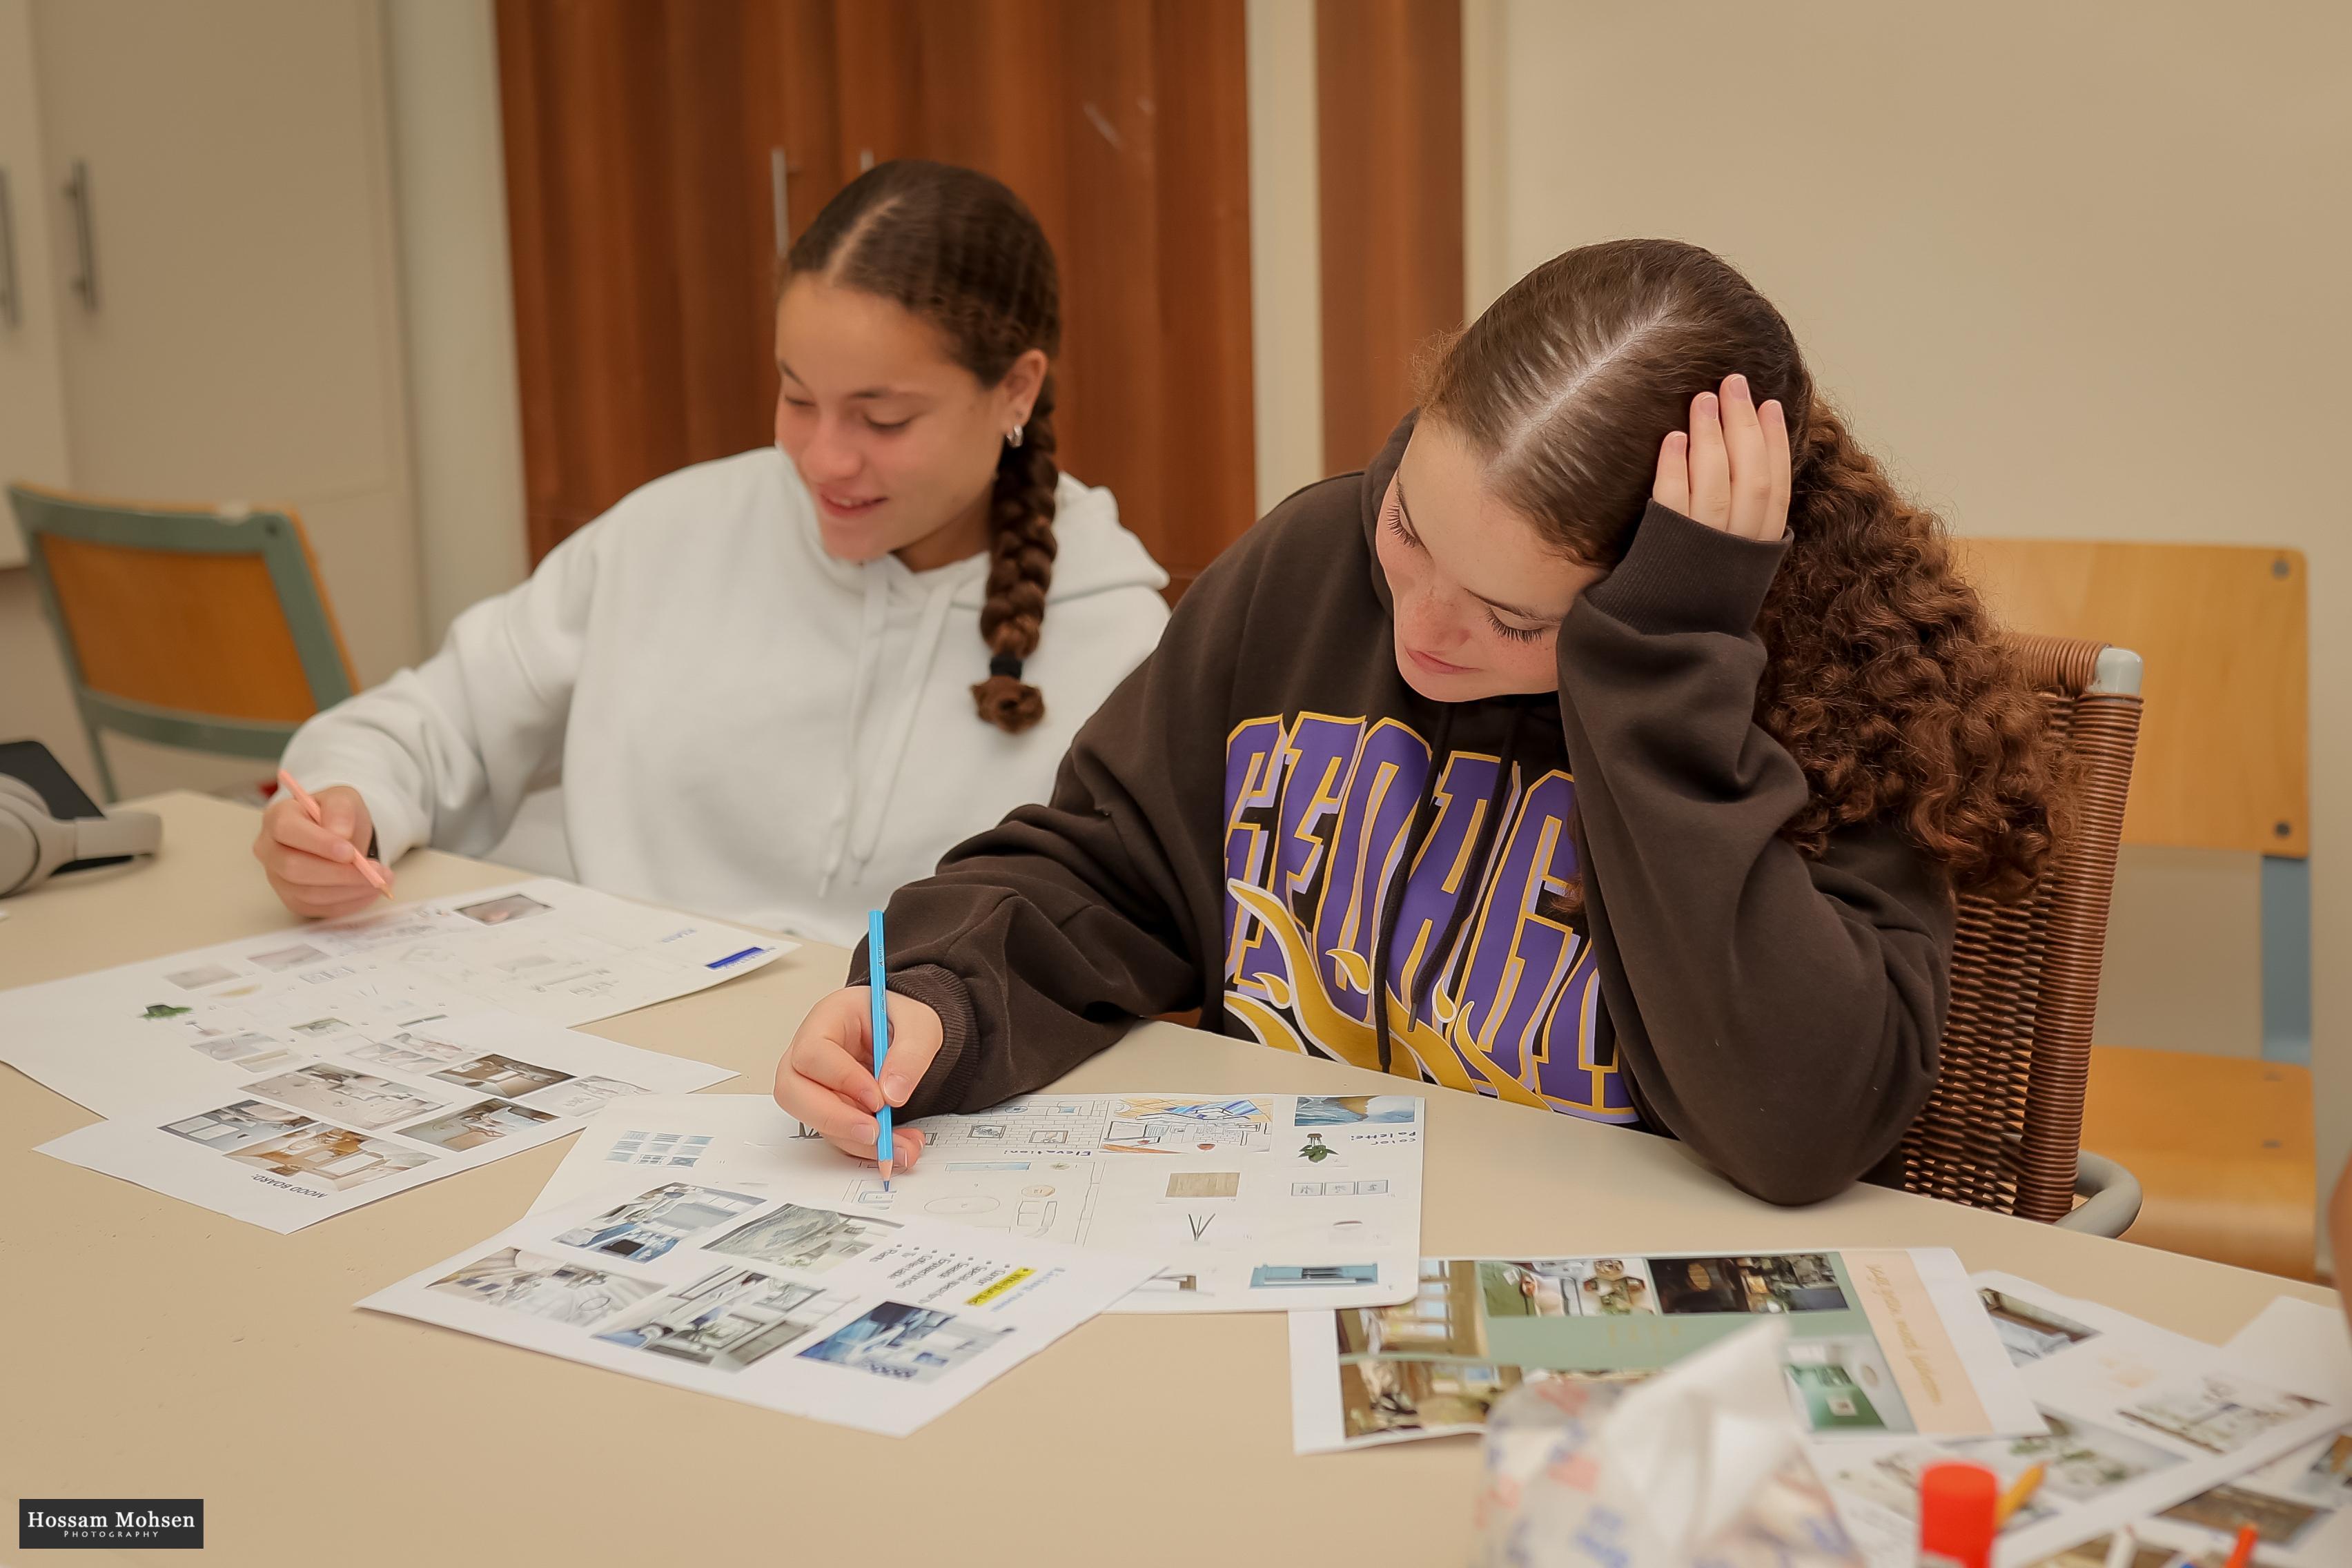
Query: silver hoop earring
[1013, 437]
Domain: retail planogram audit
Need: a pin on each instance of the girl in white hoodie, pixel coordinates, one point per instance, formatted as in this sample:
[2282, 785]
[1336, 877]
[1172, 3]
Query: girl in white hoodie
[756, 678]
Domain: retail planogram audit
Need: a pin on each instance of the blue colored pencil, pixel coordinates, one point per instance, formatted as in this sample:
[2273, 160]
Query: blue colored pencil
[877, 982]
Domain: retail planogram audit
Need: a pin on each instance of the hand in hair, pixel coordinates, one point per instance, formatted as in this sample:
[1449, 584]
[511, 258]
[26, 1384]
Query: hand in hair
[1730, 470]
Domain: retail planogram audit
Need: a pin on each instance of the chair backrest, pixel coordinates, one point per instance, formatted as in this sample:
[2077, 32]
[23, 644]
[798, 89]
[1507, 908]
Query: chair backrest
[2004, 1123]
[2223, 762]
[184, 625]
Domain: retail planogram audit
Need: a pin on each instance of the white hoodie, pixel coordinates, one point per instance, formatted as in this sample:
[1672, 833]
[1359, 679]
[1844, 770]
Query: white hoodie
[743, 726]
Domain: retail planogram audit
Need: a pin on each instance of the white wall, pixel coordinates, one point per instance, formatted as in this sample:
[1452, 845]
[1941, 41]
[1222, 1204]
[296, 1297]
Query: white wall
[35, 703]
[246, 343]
[456, 289]
[2075, 270]
[455, 336]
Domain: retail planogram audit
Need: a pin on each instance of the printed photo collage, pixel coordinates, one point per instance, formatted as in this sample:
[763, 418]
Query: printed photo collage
[2300, 1503]
[1477, 1329]
[1248, 1201]
[750, 1303]
[2291, 1504]
[770, 1298]
[339, 1110]
[157, 1034]
[2141, 1424]
[362, 1109]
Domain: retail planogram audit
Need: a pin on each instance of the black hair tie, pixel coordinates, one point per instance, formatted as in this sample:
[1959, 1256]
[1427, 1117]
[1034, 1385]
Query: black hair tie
[1006, 663]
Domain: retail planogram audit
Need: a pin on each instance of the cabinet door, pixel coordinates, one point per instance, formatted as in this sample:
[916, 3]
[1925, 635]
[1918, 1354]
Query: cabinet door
[242, 340]
[32, 412]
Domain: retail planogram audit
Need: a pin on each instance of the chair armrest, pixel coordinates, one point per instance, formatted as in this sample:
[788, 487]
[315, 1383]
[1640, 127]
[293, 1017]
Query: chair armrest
[2110, 1196]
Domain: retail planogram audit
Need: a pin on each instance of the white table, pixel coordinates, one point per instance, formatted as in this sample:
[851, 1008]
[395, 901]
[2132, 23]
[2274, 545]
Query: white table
[158, 1350]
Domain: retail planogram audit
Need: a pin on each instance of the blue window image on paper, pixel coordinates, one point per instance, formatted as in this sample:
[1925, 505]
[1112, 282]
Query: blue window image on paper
[650, 1223]
[1211, 1111]
[1344, 1109]
[914, 1343]
[1280, 1276]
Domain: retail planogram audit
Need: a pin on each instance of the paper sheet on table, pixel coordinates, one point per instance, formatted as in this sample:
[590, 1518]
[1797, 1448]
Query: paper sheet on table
[1880, 1341]
[764, 1295]
[314, 1137]
[206, 1021]
[1254, 1203]
[2300, 1503]
[2140, 1419]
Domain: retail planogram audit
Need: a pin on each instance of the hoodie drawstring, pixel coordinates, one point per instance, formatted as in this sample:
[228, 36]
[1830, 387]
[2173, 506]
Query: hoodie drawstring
[873, 622]
[868, 815]
[1417, 985]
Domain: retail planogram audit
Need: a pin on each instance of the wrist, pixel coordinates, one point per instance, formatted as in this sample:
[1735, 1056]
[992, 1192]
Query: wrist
[947, 1085]
[1680, 575]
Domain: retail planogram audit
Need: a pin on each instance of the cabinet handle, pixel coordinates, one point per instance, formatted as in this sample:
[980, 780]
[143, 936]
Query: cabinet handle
[84, 236]
[780, 199]
[12, 310]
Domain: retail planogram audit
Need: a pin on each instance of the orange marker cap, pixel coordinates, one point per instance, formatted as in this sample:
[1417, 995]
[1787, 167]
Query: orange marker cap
[1957, 1502]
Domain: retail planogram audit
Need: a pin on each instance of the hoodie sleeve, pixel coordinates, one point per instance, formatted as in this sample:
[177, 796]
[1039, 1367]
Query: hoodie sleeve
[1039, 941]
[1784, 1012]
[444, 753]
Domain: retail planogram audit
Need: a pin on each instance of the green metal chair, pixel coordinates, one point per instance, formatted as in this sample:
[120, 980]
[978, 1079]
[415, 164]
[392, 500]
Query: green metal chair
[189, 626]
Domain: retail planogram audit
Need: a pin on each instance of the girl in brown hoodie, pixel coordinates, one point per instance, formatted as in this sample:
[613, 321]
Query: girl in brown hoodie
[1617, 742]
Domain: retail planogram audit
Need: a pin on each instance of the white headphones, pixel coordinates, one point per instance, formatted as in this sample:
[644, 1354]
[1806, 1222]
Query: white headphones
[34, 844]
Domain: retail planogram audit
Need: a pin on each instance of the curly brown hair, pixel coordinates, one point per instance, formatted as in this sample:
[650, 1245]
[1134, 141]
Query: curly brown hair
[961, 250]
[1885, 680]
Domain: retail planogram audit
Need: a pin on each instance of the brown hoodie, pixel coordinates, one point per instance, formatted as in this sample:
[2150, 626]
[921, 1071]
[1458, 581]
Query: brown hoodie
[1252, 824]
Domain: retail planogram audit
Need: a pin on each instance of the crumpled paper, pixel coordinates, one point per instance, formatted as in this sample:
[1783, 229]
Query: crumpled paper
[1702, 1467]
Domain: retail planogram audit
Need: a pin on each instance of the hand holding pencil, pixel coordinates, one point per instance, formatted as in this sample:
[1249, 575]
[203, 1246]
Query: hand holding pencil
[826, 1079]
[314, 850]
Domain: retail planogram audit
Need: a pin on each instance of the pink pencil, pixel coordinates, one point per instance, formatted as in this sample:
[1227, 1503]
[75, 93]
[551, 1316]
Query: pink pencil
[311, 809]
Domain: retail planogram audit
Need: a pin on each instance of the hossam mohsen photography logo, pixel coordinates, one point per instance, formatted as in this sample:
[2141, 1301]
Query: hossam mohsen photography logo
[139, 1522]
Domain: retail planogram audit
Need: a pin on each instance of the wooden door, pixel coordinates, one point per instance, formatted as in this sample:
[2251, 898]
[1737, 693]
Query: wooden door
[642, 263]
[643, 147]
[1389, 106]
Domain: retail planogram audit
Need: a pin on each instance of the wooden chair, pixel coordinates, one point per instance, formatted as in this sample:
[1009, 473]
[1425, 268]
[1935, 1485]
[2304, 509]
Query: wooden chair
[2002, 1129]
[184, 625]
[2223, 1145]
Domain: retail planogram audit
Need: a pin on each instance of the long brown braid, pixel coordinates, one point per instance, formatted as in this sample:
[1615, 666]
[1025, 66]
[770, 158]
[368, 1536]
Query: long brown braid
[961, 251]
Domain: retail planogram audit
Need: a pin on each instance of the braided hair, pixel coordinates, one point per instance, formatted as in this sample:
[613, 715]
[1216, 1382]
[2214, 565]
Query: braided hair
[962, 252]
